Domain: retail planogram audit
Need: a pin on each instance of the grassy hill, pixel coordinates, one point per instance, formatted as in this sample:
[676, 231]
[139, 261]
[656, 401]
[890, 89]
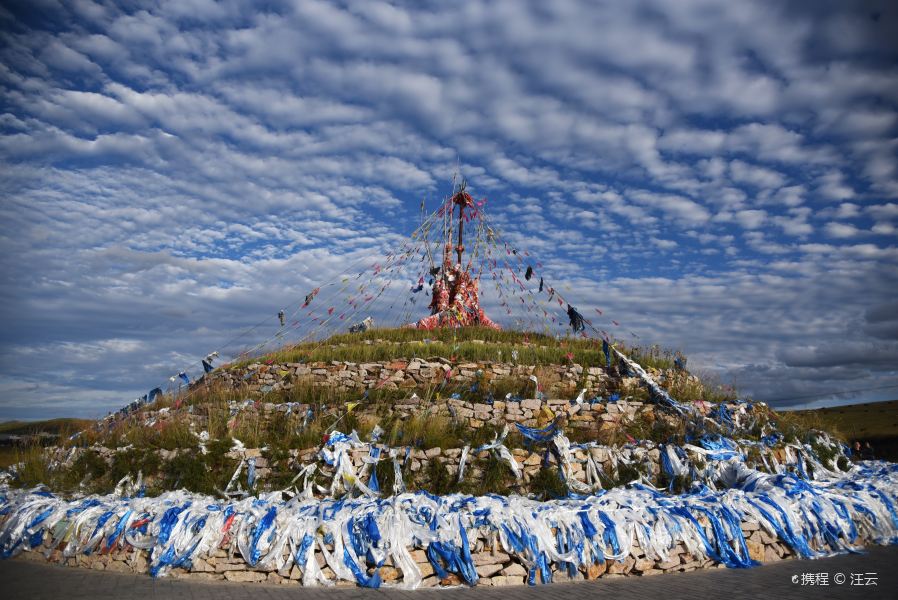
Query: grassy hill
[161, 440]
[463, 344]
[876, 422]
[10, 432]
[51, 426]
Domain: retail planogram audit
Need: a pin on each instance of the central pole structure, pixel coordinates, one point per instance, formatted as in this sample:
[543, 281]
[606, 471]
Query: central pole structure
[460, 200]
[455, 301]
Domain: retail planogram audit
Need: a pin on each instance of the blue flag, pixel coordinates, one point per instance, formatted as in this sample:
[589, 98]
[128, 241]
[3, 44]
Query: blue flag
[607, 351]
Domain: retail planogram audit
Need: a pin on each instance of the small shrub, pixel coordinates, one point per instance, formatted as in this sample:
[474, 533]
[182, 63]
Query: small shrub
[188, 470]
[496, 478]
[548, 484]
[90, 465]
[132, 461]
[439, 480]
[34, 467]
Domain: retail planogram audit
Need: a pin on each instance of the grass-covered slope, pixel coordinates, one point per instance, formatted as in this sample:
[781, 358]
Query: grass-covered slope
[161, 440]
[874, 422]
[463, 344]
[59, 426]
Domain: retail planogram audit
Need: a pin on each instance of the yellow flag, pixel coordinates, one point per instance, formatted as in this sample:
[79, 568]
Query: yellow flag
[350, 406]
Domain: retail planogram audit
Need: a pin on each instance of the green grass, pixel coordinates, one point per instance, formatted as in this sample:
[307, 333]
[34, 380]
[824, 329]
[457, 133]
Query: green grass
[871, 420]
[443, 335]
[439, 480]
[9, 455]
[425, 428]
[463, 344]
[701, 387]
[203, 473]
[134, 461]
[548, 484]
[496, 477]
[59, 426]
[459, 352]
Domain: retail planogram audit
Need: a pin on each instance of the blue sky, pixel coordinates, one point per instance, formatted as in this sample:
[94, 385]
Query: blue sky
[720, 177]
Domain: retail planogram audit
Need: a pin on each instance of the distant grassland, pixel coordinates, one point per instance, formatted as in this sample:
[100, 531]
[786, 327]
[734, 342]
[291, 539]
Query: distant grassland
[10, 454]
[876, 422]
[873, 420]
[54, 426]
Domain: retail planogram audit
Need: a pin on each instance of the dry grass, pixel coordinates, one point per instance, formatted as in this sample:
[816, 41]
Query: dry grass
[464, 344]
[873, 420]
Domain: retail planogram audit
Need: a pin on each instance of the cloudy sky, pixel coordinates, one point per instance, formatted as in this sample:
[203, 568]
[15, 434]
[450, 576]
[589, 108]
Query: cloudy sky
[720, 177]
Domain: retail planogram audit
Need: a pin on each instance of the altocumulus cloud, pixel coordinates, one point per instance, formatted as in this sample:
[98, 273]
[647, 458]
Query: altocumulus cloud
[718, 177]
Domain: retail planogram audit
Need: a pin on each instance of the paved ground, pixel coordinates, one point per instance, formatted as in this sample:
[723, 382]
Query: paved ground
[26, 580]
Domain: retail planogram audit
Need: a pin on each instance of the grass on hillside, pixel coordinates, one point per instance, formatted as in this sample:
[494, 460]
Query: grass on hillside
[872, 420]
[207, 406]
[211, 400]
[206, 473]
[462, 344]
[61, 426]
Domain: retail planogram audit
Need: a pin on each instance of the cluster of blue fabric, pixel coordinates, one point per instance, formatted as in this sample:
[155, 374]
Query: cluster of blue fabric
[356, 536]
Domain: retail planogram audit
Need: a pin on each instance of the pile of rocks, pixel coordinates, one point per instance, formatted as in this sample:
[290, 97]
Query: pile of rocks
[399, 374]
[494, 566]
[538, 412]
[644, 457]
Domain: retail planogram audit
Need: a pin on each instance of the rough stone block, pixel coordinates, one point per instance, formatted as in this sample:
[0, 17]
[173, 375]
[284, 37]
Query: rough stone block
[504, 580]
[245, 576]
[200, 565]
[596, 570]
[488, 570]
[488, 558]
[514, 569]
[643, 564]
[756, 550]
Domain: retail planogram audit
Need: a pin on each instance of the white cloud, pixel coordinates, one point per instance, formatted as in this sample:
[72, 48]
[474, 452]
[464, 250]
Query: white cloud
[884, 229]
[847, 210]
[832, 186]
[841, 230]
[755, 176]
[751, 219]
[679, 208]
